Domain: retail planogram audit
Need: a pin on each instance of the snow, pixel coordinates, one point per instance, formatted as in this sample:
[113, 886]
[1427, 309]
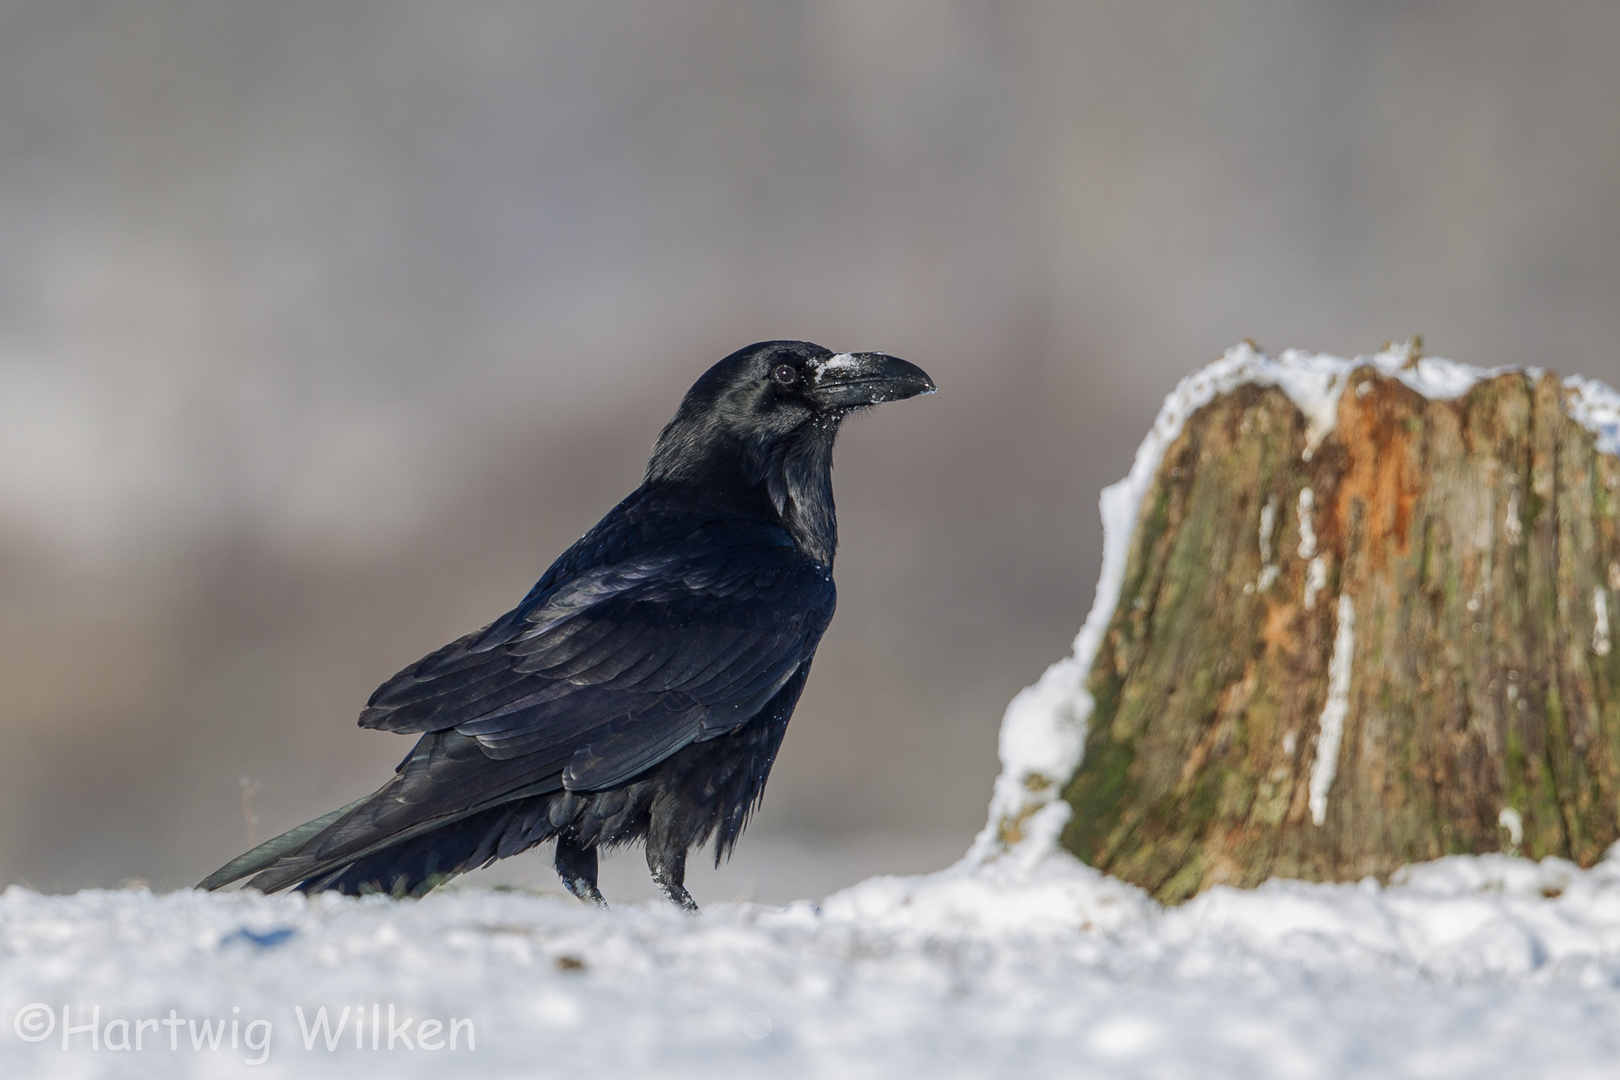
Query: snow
[1269, 571]
[1596, 407]
[1330, 728]
[1511, 820]
[1268, 521]
[837, 362]
[1016, 961]
[1315, 581]
[1307, 527]
[1040, 967]
[1600, 621]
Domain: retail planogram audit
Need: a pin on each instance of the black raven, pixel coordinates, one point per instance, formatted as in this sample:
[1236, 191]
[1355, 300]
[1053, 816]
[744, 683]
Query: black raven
[641, 689]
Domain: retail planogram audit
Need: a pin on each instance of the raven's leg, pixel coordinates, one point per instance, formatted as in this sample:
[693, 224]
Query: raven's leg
[577, 867]
[666, 858]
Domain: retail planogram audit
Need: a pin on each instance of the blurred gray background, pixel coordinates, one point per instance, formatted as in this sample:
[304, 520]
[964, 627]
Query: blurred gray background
[324, 327]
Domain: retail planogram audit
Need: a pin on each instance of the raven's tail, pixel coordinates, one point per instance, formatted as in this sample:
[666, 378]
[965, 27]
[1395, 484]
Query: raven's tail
[272, 851]
[413, 867]
[400, 865]
[414, 832]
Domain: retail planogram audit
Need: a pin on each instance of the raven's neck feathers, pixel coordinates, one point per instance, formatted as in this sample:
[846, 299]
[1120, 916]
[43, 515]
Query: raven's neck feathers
[797, 475]
[787, 477]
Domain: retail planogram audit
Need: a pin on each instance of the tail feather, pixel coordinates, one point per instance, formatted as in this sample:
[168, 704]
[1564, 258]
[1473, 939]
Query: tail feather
[319, 854]
[415, 866]
[445, 779]
[272, 851]
[347, 842]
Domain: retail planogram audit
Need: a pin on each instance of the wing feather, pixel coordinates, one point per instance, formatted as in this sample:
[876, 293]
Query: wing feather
[619, 666]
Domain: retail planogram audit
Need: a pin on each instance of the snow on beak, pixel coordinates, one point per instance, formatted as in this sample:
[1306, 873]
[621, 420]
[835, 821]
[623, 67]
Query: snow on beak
[854, 380]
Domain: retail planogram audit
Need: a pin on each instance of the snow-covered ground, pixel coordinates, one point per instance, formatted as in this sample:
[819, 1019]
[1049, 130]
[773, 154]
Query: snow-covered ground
[1018, 961]
[1469, 967]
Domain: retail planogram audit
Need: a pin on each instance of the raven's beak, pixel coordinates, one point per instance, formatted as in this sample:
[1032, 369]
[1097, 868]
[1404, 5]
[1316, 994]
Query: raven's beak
[851, 380]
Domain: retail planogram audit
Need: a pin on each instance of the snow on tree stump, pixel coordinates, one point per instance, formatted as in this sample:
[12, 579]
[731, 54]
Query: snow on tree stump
[1359, 617]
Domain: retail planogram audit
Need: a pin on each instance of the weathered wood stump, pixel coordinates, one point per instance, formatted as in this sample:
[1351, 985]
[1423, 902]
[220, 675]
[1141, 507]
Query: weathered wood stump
[1330, 660]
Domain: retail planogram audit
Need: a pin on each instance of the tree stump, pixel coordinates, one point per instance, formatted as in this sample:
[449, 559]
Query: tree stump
[1345, 642]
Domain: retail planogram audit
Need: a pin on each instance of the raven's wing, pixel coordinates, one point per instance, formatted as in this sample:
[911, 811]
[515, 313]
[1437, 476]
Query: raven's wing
[622, 665]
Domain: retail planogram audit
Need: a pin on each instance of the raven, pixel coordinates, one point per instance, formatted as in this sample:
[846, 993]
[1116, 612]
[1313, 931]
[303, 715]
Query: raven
[641, 689]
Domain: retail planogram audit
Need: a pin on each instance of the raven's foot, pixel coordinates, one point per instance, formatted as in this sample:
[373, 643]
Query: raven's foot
[677, 895]
[577, 867]
[586, 891]
[666, 861]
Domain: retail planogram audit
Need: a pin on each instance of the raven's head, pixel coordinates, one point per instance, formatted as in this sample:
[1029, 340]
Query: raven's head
[778, 393]
[778, 386]
[771, 411]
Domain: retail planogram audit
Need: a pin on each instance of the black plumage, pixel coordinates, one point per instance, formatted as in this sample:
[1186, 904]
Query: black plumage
[641, 689]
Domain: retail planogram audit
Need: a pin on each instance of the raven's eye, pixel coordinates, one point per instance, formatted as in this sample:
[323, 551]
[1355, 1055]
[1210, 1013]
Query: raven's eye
[785, 374]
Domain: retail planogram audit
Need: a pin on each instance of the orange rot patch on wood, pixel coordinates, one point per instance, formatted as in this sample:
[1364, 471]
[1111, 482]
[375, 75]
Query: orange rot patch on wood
[1381, 482]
